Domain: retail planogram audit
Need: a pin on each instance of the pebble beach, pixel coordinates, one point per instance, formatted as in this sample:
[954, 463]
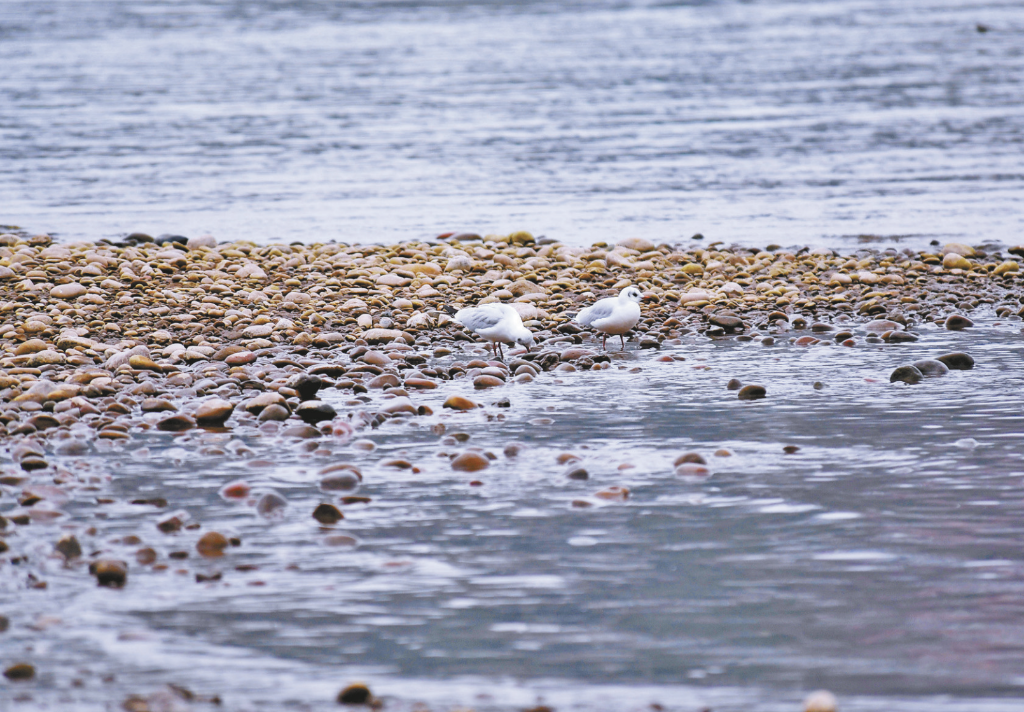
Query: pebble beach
[113, 348]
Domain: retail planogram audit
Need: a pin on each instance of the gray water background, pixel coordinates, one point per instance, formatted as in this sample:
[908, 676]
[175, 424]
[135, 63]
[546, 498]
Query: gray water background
[750, 122]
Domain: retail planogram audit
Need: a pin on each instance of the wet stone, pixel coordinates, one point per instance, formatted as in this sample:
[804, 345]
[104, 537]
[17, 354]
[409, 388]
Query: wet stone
[899, 337]
[212, 544]
[577, 473]
[274, 412]
[143, 363]
[33, 462]
[355, 694]
[307, 432]
[110, 573]
[931, 367]
[270, 504]
[385, 380]
[470, 462]
[691, 457]
[734, 384]
[957, 361]
[752, 392]
[956, 322]
[907, 374]
[157, 405]
[43, 422]
[481, 382]
[172, 522]
[327, 513]
[240, 358]
[306, 386]
[399, 405]
[20, 671]
[727, 322]
[214, 412]
[264, 400]
[459, 403]
[314, 411]
[68, 547]
[236, 489]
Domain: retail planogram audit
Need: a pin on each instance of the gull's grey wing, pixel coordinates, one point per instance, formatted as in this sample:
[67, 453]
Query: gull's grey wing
[477, 319]
[600, 310]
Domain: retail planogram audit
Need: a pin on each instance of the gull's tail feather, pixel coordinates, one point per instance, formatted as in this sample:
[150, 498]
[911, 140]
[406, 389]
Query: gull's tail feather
[452, 311]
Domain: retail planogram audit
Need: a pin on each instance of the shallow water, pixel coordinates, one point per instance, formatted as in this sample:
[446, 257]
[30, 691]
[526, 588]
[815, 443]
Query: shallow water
[881, 560]
[785, 122]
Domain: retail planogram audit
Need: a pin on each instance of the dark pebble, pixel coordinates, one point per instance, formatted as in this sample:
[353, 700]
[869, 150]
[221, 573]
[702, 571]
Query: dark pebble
[176, 423]
[957, 361]
[68, 547]
[907, 374]
[172, 522]
[109, 573]
[899, 337]
[20, 671]
[752, 392]
[355, 694]
[314, 411]
[275, 411]
[734, 384]
[327, 513]
[577, 473]
[33, 462]
[306, 385]
[729, 323]
[956, 322]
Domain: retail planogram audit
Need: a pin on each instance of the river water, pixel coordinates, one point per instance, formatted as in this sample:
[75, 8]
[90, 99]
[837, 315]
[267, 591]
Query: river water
[753, 122]
[881, 559]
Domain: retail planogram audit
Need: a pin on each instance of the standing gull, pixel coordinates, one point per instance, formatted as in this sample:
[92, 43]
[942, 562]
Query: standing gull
[497, 323]
[613, 315]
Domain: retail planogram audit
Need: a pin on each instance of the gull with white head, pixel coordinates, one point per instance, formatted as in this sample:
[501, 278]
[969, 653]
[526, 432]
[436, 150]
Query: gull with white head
[613, 315]
[497, 323]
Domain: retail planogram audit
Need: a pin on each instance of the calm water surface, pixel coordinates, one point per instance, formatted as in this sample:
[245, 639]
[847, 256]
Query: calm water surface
[807, 122]
[881, 560]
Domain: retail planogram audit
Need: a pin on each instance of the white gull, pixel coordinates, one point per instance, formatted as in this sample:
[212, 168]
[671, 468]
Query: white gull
[613, 315]
[497, 323]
